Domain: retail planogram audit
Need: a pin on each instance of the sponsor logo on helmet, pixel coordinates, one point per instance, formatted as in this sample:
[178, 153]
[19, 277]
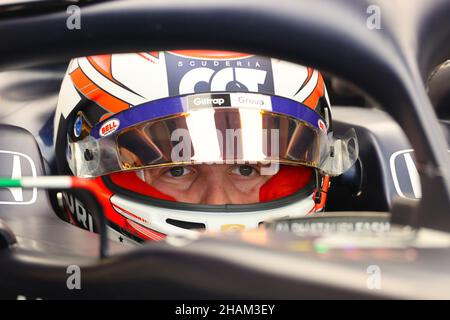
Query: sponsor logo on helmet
[217, 101]
[322, 125]
[209, 100]
[232, 227]
[250, 100]
[197, 75]
[109, 127]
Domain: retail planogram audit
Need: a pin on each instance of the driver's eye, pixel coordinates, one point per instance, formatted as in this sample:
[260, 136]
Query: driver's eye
[178, 171]
[244, 170]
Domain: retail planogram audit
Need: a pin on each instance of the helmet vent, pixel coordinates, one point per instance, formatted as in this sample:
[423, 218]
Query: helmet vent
[186, 224]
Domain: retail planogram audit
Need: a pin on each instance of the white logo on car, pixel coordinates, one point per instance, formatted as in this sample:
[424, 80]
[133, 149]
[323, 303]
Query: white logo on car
[19, 162]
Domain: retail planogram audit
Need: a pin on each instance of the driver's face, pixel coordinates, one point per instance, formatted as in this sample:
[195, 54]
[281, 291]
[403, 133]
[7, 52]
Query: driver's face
[209, 184]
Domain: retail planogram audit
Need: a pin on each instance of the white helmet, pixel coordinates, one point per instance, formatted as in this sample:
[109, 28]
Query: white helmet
[121, 114]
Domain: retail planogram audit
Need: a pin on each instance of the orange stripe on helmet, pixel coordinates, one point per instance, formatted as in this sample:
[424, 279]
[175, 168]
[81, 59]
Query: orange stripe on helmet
[317, 93]
[91, 91]
[81, 81]
[310, 73]
[105, 116]
[102, 63]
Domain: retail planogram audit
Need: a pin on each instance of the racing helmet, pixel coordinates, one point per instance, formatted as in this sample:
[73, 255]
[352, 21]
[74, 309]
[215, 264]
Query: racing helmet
[119, 115]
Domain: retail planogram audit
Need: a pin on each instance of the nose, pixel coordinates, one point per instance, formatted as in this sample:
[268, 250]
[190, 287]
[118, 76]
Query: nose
[216, 194]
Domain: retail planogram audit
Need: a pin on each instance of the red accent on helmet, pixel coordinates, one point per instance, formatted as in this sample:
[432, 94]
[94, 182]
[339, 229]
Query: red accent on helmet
[286, 182]
[154, 54]
[102, 63]
[130, 181]
[93, 92]
[317, 93]
[103, 195]
[145, 233]
[211, 54]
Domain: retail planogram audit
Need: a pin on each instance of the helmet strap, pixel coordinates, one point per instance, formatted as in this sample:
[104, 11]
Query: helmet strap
[320, 195]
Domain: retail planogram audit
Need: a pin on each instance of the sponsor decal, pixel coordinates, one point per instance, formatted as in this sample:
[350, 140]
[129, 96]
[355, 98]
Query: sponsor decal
[237, 100]
[196, 74]
[212, 101]
[16, 165]
[109, 127]
[302, 228]
[232, 227]
[251, 100]
[209, 100]
[128, 214]
[322, 126]
[79, 214]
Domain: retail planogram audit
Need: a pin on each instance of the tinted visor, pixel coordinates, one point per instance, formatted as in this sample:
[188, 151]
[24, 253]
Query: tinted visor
[228, 135]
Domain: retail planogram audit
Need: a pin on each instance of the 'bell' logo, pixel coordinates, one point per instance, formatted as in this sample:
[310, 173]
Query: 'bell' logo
[109, 127]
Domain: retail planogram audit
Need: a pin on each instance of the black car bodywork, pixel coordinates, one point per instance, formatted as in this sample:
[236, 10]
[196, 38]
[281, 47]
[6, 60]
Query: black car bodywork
[390, 64]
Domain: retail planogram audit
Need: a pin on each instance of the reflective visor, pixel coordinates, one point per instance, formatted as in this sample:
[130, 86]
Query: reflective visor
[228, 135]
[211, 129]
